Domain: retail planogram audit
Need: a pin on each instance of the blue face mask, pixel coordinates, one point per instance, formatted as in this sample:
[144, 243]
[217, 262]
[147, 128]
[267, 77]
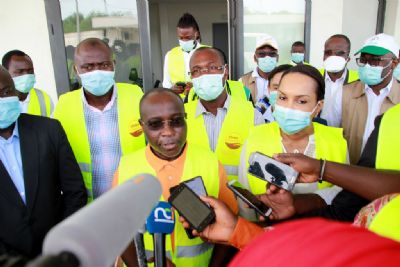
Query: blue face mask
[97, 82]
[372, 75]
[396, 72]
[24, 83]
[208, 86]
[291, 121]
[187, 46]
[266, 64]
[10, 109]
[273, 96]
[297, 57]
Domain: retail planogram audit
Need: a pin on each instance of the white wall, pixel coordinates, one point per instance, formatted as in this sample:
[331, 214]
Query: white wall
[392, 19]
[354, 18]
[24, 27]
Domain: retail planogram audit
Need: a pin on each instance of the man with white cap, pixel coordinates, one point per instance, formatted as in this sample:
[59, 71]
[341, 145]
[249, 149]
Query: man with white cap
[355, 110]
[266, 56]
[335, 71]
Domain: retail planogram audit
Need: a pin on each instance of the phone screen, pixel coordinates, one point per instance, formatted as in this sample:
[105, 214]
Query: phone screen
[197, 185]
[251, 199]
[191, 207]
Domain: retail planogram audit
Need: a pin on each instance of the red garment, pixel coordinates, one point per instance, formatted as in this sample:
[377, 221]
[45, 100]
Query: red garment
[318, 242]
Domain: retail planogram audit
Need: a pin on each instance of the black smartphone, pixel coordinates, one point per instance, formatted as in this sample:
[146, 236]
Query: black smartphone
[182, 84]
[190, 206]
[250, 199]
[272, 171]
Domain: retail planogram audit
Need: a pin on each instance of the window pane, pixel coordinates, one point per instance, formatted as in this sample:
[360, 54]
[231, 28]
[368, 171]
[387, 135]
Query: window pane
[115, 22]
[392, 19]
[284, 20]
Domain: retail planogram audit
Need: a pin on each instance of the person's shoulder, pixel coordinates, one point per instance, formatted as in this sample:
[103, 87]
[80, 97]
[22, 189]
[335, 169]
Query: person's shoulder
[246, 75]
[39, 122]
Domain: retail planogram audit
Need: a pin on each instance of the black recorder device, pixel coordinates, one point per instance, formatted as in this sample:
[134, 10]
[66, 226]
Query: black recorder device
[188, 204]
[272, 171]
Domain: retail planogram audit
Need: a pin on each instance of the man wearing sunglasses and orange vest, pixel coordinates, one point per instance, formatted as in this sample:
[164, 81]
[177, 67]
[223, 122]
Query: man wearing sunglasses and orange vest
[170, 158]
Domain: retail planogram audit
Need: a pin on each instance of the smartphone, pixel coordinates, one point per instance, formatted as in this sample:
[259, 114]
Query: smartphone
[190, 206]
[197, 186]
[250, 199]
[182, 84]
[272, 171]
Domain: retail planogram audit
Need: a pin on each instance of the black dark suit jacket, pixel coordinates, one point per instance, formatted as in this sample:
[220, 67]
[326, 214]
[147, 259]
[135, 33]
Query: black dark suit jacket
[54, 187]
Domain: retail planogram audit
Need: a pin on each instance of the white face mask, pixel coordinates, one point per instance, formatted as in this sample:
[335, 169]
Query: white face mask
[334, 64]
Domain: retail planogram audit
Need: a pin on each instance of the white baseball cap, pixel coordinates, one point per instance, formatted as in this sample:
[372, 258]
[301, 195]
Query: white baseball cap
[380, 45]
[266, 40]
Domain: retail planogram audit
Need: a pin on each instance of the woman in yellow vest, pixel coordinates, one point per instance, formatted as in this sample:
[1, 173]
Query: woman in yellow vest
[300, 99]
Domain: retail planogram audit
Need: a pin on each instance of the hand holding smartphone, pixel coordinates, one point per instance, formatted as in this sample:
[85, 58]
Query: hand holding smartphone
[250, 199]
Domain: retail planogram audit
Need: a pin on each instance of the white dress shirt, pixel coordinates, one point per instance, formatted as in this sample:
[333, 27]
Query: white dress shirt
[262, 85]
[333, 90]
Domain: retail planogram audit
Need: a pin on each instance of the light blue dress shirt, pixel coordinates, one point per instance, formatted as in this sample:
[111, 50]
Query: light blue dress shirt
[10, 156]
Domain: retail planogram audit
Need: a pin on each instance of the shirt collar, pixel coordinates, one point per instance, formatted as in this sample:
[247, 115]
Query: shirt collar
[341, 79]
[109, 104]
[386, 89]
[159, 164]
[15, 134]
[200, 109]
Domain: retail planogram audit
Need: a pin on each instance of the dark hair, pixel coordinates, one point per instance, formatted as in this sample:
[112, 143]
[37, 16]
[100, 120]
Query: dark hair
[158, 90]
[342, 36]
[298, 43]
[278, 69]
[7, 57]
[311, 72]
[220, 53]
[188, 21]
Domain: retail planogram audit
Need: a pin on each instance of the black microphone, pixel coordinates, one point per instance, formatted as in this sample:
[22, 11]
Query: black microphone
[98, 233]
[160, 222]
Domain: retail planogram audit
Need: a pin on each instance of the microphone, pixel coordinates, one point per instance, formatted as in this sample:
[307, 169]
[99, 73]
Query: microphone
[98, 233]
[160, 222]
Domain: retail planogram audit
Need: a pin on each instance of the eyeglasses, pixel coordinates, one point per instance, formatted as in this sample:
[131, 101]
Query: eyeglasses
[158, 124]
[373, 61]
[196, 72]
[264, 54]
[339, 53]
[105, 65]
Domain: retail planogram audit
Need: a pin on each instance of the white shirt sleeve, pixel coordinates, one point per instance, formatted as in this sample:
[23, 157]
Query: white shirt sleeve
[329, 193]
[166, 79]
[334, 116]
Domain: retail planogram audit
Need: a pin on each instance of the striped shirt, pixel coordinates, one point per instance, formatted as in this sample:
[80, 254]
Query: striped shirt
[104, 141]
[213, 123]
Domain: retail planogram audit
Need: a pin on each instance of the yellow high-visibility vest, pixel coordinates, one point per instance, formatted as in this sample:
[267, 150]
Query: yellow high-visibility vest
[266, 139]
[352, 76]
[70, 113]
[234, 131]
[39, 103]
[199, 162]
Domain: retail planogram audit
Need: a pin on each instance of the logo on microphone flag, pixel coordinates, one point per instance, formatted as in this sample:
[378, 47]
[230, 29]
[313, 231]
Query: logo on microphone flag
[161, 219]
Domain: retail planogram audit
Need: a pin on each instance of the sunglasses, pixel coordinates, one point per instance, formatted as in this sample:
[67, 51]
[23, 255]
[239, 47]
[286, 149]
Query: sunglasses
[158, 124]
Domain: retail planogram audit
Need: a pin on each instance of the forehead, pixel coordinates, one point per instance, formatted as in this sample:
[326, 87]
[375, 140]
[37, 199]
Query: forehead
[298, 47]
[296, 84]
[161, 105]
[20, 61]
[277, 78]
[204, 58]
[186, 31]
[336, 42]
[90, 54]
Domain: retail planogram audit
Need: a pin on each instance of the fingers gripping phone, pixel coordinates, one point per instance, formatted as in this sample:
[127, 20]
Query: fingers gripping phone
[181, 84]
[250, 199]
[272, 171]
[190, 206]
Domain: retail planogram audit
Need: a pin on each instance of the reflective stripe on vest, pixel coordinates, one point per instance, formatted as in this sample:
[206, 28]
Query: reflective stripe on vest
[39, 103]
[234, 131]
[387, 222]
[198, 162]
[266, 138]
[236, 89]
[70, 112]
[388, 140]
